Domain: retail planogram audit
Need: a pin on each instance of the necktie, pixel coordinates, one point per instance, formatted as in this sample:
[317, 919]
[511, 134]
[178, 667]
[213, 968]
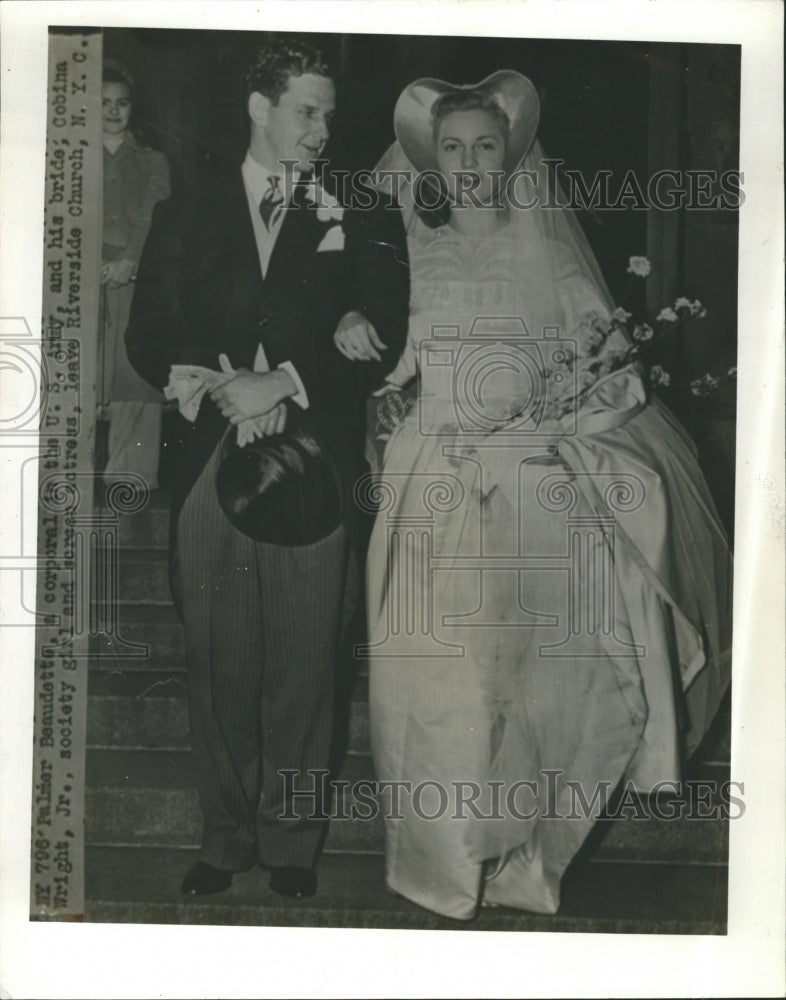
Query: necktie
[271, 205]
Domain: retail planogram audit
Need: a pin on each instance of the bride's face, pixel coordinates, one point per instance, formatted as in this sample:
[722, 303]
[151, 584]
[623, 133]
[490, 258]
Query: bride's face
[470, 142]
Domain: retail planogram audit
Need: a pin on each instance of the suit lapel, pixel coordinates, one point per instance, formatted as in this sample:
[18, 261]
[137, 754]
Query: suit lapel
[298, 237]
[239, 230]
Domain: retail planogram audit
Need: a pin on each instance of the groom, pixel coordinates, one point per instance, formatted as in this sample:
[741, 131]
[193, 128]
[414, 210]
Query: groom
[253, 269]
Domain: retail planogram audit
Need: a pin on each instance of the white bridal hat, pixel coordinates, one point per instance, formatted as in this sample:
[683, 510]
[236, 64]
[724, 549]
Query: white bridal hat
[514, 93]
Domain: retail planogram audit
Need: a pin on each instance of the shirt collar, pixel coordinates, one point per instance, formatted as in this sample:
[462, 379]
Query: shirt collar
[256, 178]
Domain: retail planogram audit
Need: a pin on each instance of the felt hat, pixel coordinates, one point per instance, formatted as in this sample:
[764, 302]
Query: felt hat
[284, 489]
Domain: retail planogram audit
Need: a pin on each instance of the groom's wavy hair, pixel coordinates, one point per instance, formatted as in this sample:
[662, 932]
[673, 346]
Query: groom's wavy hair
[442, 107]
[277, 61]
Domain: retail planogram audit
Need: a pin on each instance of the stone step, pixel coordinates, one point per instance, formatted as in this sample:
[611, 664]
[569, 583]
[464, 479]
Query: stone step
[143, 886]
[139, 709]
[145, 636]
[149, 799]
[144, 576]
[147, 709]
[146, 529]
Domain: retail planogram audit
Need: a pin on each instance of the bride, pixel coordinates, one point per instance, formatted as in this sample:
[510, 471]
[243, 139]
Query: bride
[548, 581]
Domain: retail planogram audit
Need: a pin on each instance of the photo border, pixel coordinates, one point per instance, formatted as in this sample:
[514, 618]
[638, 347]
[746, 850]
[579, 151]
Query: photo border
[93, 960]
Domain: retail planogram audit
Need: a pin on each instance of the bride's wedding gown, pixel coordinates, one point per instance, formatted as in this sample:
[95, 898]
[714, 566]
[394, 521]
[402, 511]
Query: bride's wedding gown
[543, 622]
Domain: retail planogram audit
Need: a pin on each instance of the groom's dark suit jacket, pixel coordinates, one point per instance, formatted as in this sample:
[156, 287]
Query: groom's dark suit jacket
[200, 293]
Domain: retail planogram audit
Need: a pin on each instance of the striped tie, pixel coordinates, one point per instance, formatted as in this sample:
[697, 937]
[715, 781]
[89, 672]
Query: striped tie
[273, 199]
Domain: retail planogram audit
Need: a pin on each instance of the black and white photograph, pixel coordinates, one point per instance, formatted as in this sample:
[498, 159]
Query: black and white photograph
[395, 466]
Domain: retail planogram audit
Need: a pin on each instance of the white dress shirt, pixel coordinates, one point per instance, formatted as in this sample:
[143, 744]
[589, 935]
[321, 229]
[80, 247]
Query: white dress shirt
[256, 181]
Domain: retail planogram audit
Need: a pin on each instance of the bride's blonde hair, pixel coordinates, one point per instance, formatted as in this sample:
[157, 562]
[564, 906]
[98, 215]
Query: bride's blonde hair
[469, 100]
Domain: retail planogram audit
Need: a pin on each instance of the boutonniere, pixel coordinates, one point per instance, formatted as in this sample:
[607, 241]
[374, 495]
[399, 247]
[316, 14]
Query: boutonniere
[330, 214]
[329, 209]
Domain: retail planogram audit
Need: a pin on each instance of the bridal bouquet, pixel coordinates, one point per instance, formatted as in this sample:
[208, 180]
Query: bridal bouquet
[391, 410]
[611, 343]
[605, 344]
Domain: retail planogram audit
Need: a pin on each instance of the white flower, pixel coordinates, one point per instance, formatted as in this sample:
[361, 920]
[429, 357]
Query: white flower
[659, 377]
[613, 361]
[642, 332]
[593, 340]
[594, 320]
[329, 214]
[666, 315]
[697, 309]
[704, 386]
[329, 208]
[639, 266]
[620, 315]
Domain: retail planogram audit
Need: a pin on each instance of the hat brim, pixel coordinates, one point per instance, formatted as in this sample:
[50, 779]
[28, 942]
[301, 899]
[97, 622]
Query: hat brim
[514, 93]
[283, 490]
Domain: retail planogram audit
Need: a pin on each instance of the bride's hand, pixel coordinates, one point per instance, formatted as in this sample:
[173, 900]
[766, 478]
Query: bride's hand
[357, 339]
[385, 390]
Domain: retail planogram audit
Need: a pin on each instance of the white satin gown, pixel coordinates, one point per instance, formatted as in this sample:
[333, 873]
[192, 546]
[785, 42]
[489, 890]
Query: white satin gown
[543, 621]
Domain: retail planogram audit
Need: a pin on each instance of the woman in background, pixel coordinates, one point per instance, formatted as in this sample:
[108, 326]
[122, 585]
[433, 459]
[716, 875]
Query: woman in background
[135, 178]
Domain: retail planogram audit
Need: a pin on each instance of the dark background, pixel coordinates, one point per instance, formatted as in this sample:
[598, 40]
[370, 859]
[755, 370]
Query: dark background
[594, 102]
[604, 106]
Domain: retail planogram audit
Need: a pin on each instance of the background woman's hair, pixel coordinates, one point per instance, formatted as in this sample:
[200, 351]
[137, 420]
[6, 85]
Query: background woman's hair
[279, 60]
[461, 100]
[114, 72]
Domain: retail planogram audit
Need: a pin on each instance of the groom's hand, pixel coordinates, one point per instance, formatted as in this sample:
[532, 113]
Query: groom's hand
[357, 339]
[250, 394]
[270, 423]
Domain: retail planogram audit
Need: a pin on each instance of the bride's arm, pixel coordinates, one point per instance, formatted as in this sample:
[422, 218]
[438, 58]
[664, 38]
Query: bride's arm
[407, 367]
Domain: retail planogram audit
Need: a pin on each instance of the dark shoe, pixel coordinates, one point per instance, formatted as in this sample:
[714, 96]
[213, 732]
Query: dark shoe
[299, 883]
[202, 879]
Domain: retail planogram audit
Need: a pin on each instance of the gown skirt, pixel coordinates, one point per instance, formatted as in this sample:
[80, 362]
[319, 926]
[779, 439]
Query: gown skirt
[541, 627]
[544, 622]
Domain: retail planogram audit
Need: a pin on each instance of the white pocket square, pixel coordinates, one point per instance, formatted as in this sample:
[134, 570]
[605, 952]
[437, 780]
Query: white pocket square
[332, 240]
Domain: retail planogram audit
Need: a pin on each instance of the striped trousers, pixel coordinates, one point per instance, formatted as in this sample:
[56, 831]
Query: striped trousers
[261, 624]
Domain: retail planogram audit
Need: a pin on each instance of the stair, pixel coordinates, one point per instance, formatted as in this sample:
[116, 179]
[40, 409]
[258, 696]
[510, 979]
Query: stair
[142, 822]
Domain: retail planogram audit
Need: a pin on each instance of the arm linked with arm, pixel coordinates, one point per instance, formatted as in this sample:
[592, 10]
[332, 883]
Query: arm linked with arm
[378, 293]
[380, 284]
